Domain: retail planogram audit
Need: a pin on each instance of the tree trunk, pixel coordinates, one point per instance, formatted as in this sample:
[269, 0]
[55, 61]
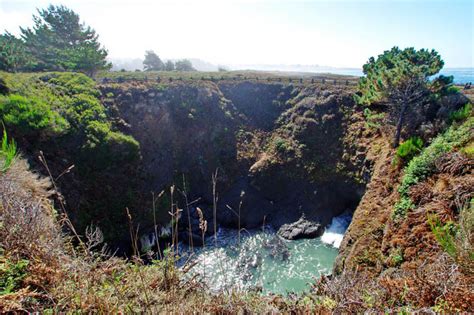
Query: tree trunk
[396, 138]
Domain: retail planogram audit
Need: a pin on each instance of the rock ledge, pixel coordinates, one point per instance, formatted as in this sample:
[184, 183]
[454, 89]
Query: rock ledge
[301, 229]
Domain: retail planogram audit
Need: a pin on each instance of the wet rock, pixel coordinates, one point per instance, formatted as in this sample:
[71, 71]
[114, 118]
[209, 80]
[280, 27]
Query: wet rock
[301, 229]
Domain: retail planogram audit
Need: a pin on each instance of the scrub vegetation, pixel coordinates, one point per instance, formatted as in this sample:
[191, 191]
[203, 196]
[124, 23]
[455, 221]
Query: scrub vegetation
[84, 150]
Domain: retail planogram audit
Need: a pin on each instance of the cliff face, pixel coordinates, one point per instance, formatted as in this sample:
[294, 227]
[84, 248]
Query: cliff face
[284, 146]
[279, 150]
[415, 253]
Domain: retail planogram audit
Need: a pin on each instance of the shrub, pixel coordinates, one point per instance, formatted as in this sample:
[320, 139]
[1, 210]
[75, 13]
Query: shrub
[408, 149]
[465, 235]
[462, 113]
[457, 239]
[444, 233]
[11, 275]
[7, 152]
[372, 120]
[73, 83]
[280, 145]
[423, 165]
[396, 257]
[402, 207]
[107, 147]
[84, 109]
[30, 115]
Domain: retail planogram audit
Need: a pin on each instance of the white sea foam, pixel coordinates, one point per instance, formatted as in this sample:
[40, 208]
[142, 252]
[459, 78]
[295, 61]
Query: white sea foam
[335, 232]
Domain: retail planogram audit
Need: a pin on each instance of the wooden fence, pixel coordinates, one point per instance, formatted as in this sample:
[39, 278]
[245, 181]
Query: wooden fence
[286, 80]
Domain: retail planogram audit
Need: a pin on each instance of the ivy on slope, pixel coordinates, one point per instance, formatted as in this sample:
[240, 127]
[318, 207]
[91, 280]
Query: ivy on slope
[456, 137]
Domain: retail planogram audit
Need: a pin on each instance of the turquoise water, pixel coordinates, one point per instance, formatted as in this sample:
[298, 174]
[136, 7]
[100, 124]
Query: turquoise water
[263, 260]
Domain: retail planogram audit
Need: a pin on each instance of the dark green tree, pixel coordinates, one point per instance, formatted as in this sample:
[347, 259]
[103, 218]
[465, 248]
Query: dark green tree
[169, 65]
[59, 41]
[13, 56]
[152, 62]
[399, 79]
[184, 65]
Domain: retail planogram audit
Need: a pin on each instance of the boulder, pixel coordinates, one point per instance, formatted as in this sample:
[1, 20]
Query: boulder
[301, 229]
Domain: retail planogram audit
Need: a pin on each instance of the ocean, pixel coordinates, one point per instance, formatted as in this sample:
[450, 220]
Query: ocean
[461, 75]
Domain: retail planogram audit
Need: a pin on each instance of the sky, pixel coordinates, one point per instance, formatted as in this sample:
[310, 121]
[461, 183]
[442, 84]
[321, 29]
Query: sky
[333, 33]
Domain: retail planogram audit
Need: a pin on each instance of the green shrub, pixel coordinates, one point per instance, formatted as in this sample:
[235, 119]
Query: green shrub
[7, 152]
[30, 115]
[456, 239]
[462, 113]
[83, 109]
[465, 236]
[373, 120]
[408, 149]
[107, 147]
[281, 145]
[445, 234]
[402, 207]
[450, 90]
[11, 275]
[423, 165]
[73, 83]
[396, 256]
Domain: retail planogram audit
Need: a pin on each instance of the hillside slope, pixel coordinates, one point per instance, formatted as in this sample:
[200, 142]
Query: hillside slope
[293, 149]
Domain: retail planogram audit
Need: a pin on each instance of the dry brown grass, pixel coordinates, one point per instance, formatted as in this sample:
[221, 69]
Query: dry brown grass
[60, 277]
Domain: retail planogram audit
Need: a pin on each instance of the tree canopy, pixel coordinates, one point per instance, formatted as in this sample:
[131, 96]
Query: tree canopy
[169, 65]
[152, 62]
[400, 79]
[184, 65]
[57, 41]
[13, 56]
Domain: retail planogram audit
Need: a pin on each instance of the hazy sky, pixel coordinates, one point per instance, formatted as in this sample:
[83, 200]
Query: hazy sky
[332, 33]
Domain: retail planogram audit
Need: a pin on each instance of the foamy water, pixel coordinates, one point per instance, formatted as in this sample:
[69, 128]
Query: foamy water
[335, 232]
[264, 260]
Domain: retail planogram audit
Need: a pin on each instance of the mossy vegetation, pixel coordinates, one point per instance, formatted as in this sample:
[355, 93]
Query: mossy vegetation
[65, 107]
[61, 111]
[456, 137]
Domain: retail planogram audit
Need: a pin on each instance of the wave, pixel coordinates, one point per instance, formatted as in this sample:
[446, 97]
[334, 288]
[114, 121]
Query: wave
[336, 230]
